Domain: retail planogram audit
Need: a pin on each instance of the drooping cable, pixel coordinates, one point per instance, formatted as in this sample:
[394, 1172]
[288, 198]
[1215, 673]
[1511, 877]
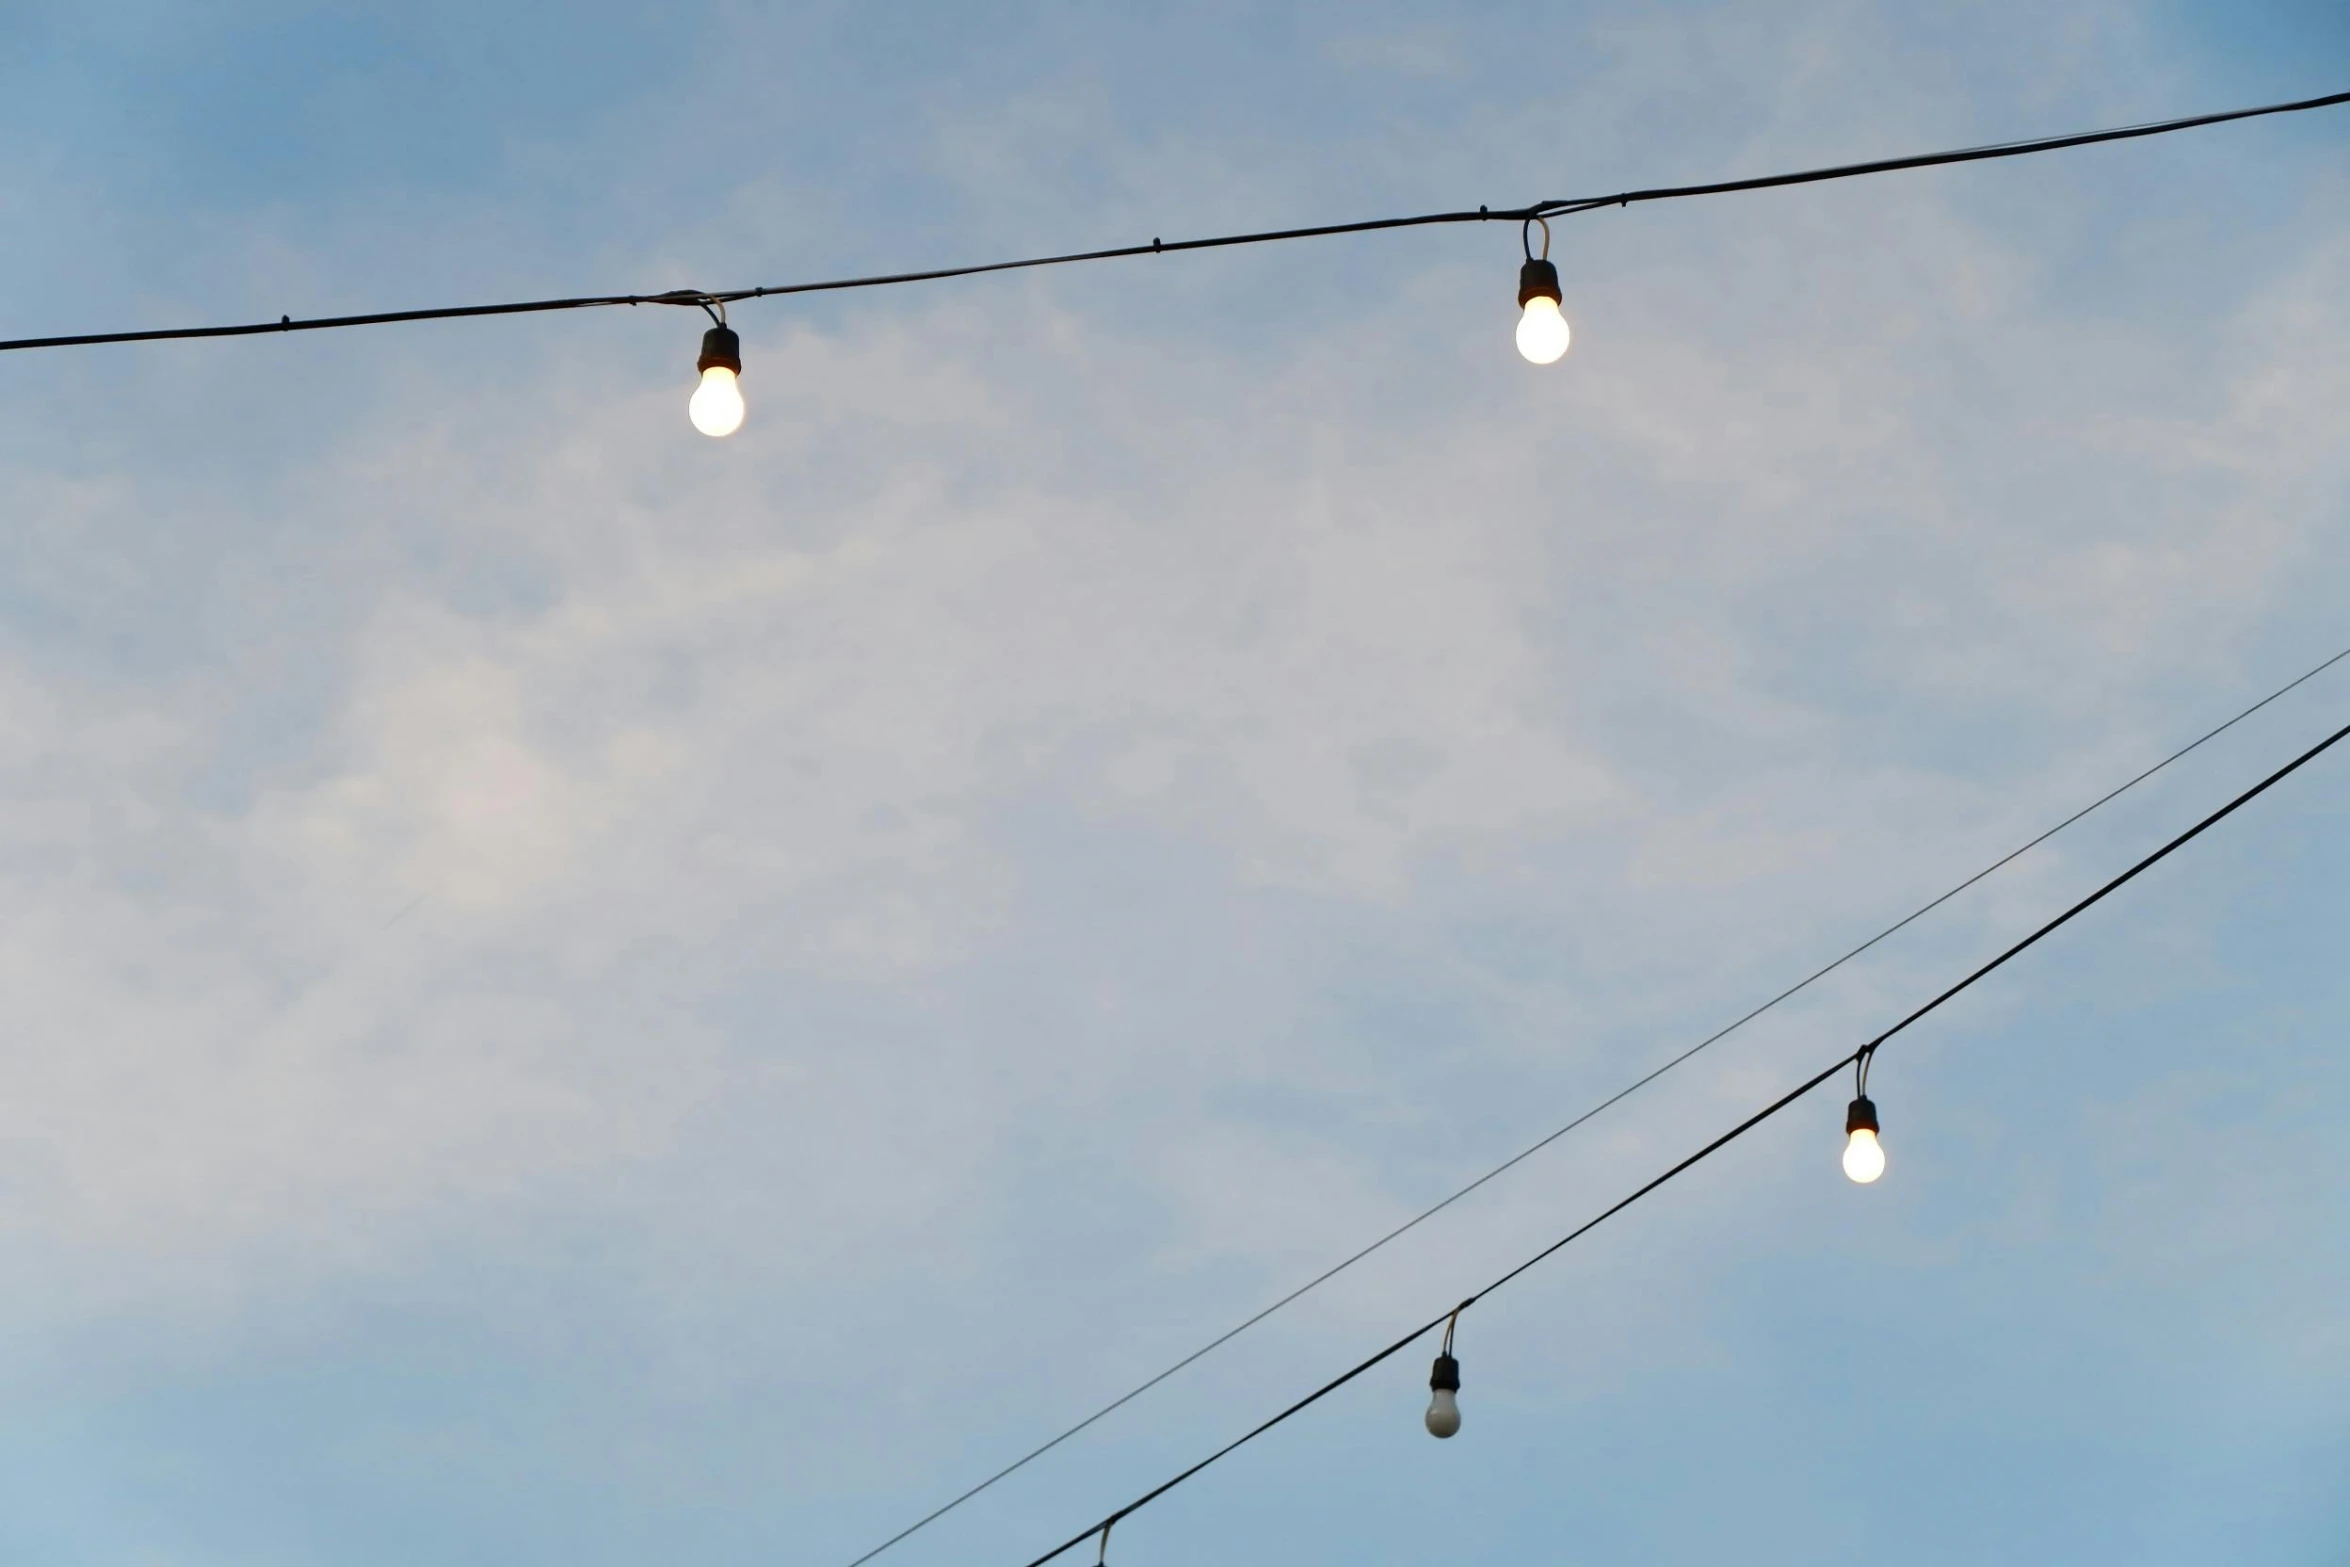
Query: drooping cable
[1531, 1149]
[1540, 209]
[1866, 1051]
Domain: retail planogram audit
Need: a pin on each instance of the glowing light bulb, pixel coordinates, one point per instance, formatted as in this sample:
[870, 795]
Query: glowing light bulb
[1864, 1156]
[1444, 1406]
[717, 406]
[1543, 333]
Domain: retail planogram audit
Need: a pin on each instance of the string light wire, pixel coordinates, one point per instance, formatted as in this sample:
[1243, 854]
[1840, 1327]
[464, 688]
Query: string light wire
[1531, 1149]
[698, 298]
[1863, 1054]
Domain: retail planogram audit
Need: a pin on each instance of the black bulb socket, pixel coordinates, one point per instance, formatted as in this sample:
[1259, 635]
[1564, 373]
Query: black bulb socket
[1862, 1117]
[1446, 1378]
[721, 350]
[1538, 279]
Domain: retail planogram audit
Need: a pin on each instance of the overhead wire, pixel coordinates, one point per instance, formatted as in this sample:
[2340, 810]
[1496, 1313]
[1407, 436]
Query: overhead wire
[1928, 160]
[1531, 1149]
[1861, 1055]
[1541, 209]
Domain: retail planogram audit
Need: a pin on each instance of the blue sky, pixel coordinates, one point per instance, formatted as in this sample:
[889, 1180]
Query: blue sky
[584, 995]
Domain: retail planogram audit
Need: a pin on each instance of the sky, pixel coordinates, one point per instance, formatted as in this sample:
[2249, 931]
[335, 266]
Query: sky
[578, 994]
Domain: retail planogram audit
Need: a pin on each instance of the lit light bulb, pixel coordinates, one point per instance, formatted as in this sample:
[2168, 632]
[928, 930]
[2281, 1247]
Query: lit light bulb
[1444, 1405]
[1864, 1156]
[717, 406]
[1543, 333]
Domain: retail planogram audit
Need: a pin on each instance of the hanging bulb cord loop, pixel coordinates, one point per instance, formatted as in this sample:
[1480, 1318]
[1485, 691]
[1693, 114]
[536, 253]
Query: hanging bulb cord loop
[721, 348]
[1537, 279]
[1445, 1375]
[1861, 1114]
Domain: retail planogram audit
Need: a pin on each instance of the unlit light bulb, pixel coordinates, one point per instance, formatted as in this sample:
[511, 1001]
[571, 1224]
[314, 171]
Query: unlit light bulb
[1444, 1405]
[1864, 1156]
[717, 406]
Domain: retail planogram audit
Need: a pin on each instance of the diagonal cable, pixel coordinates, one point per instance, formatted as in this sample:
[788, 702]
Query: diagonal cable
[1531, 1149]
[2014, 950]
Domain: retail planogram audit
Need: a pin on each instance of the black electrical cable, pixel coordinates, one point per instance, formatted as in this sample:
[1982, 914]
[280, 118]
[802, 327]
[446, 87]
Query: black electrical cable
[1528, 1152]
[1723, 1141]
[1540, 209]
[2004, 149]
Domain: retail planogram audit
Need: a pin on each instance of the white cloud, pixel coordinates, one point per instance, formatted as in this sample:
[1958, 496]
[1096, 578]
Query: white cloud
[1073, 782]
